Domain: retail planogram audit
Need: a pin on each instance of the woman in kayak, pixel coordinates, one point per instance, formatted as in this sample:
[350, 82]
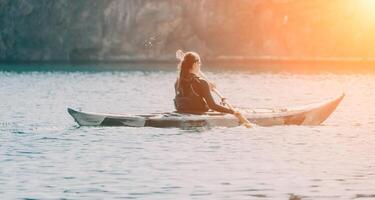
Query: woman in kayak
[193, 92]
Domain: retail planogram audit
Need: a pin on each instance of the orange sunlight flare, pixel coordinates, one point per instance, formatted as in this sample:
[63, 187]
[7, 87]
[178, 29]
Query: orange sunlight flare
[367, 8]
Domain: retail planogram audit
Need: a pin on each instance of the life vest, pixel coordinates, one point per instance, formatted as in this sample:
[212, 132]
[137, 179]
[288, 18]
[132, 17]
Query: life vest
[187, 100]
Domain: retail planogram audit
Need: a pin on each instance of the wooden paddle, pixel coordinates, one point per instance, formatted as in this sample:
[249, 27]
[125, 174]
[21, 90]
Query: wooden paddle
[242, 119]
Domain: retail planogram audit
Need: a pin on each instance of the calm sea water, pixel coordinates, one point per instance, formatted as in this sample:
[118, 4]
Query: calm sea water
[45, 155]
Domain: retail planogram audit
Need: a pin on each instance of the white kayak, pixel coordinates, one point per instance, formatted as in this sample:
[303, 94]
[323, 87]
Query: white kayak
[311, 114]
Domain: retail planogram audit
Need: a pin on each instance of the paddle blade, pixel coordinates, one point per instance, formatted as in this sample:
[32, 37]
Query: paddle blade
[180, 54]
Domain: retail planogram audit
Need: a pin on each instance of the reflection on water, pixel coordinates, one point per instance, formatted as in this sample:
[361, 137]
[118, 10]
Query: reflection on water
[44, 155]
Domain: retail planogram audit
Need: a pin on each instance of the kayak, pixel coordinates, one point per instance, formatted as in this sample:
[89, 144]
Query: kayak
[311, 114]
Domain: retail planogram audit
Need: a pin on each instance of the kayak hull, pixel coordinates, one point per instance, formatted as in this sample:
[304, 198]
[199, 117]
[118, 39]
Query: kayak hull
[312, 114]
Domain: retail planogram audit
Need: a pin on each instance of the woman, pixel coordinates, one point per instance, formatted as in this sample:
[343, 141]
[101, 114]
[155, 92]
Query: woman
[192, 91]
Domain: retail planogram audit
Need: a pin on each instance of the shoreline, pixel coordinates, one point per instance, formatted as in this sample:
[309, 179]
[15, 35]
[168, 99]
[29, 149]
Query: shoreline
[206, 59]
[266, 63]
[220, 59]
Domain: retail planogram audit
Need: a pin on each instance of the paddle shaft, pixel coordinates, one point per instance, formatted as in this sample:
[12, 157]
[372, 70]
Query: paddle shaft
[241, 117]
[217, 92]
[223, 99]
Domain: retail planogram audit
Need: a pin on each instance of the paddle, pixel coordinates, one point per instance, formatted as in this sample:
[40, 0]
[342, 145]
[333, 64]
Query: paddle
[242, 119]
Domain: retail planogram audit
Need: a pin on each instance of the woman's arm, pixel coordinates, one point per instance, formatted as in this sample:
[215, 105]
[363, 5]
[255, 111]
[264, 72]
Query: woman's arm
[203, 89]
[211, 85]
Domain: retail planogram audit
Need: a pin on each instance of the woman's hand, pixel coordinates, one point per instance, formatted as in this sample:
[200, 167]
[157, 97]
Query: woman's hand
[237, 114]
[242, 119]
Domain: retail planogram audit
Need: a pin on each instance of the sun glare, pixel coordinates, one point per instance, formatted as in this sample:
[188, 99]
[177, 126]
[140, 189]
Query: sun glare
[367, 8]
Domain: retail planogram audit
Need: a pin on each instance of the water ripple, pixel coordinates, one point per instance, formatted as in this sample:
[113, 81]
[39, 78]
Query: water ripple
[45, 155]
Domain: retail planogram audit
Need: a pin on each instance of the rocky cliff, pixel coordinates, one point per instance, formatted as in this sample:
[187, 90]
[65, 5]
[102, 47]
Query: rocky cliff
[107, 30]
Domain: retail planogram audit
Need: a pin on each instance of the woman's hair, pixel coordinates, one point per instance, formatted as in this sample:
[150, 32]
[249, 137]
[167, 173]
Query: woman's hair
[187, 63]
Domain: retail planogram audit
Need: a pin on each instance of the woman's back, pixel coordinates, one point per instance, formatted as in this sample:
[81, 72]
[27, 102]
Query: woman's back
[188, 98]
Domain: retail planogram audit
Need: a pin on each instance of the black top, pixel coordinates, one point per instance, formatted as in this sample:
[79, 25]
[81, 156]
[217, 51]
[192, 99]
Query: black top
[201, 88]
